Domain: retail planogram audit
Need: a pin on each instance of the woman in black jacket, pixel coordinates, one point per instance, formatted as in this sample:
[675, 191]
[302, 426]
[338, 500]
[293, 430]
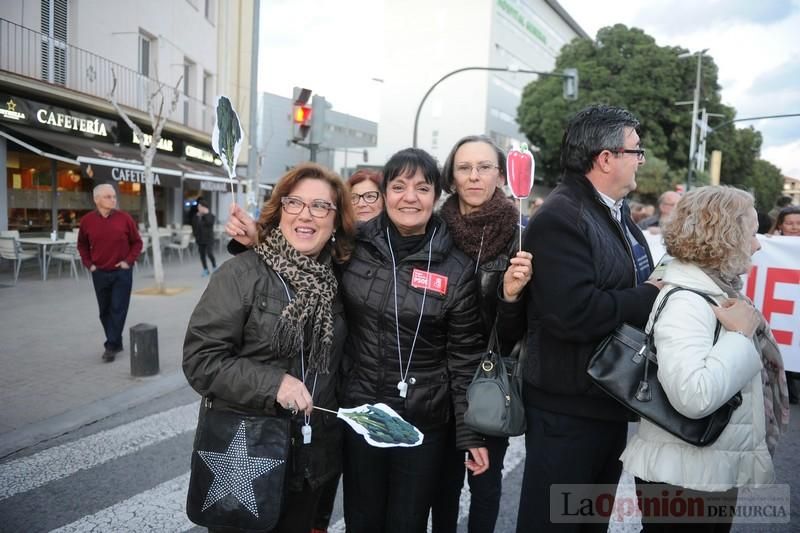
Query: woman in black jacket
[266, 337]
[414, 341]
[485, 226]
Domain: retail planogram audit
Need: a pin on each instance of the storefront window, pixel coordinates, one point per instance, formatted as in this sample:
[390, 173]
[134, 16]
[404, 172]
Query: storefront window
[30, 194]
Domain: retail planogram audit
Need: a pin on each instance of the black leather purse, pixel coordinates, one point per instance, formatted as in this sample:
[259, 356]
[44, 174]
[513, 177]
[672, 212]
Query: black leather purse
[239, 468]
[494, 398]
[624, 365]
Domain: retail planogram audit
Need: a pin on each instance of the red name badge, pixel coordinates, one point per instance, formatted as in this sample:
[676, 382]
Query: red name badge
[433, 282]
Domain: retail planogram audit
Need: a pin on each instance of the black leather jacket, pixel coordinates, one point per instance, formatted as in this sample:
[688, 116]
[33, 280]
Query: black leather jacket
[450, 341]
[228, 355]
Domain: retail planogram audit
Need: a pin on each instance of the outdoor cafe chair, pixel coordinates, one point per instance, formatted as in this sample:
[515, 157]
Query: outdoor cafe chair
[180, 246]
[68, 253]
[11, 250]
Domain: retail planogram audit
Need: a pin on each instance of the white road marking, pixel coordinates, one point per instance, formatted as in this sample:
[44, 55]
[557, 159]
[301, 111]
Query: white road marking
[160, 509]
[28, 473]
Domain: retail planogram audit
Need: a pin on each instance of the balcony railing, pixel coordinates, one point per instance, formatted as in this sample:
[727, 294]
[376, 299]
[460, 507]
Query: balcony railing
[34, 55]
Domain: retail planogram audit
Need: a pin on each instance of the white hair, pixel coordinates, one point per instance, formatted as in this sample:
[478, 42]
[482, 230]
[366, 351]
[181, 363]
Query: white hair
[96, 190]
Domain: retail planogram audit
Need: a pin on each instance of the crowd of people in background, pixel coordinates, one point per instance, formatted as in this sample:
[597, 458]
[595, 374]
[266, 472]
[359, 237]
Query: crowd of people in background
[346, 319]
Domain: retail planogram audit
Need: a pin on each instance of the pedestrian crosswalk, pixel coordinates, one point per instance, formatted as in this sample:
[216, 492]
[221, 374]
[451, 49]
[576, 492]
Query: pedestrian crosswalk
[160, 507]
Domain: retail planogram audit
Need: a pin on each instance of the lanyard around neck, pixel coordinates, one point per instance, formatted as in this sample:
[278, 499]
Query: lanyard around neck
[302, 355]
[404, 373]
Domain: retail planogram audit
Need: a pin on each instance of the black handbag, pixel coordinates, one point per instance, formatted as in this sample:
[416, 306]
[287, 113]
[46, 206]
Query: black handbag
[624, 365]
[494, 397]
[239, 468]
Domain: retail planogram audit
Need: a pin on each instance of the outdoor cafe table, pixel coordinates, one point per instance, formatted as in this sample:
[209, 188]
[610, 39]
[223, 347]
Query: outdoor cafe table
[43, 243]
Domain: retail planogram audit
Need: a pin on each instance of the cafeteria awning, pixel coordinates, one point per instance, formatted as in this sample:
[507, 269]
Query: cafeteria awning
[103, 161]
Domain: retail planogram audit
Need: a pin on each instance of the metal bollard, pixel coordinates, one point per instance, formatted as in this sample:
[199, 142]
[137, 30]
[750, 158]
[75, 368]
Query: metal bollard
[144, 350]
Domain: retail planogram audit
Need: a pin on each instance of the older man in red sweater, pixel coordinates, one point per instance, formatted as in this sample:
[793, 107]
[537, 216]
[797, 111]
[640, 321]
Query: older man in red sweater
[109, 244]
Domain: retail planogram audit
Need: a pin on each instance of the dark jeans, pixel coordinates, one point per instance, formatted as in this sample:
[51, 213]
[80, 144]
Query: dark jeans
[564, 449]
[485, 489]
[390, 490]
[297, 515]
[327, 499]
[652, 525]
[206, 249]
[113, 291]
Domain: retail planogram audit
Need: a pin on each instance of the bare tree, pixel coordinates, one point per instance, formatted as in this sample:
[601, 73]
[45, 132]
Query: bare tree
[163, 96]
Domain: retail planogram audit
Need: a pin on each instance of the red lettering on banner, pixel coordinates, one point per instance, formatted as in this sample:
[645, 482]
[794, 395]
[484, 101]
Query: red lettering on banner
[434, 282]
[774, 305]
[750, 291]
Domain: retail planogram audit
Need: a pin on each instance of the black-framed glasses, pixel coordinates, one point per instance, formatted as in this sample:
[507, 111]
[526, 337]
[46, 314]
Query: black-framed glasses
[484, 170]
[318, 208]
[639, 152]
[369, 197]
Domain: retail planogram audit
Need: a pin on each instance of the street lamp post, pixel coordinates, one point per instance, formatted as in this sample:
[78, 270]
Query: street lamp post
[569, 76]
[695, 105]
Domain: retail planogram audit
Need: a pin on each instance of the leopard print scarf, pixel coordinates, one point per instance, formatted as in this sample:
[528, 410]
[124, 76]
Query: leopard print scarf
[315, 288]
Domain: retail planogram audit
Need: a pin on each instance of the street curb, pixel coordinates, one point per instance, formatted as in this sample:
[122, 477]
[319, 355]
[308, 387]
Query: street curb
[36, 433]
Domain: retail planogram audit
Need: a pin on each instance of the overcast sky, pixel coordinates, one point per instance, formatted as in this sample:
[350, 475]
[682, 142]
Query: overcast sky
[334, 47]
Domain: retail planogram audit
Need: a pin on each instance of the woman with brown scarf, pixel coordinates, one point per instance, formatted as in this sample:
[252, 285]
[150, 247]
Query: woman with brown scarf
[485, 226]
[711, 237]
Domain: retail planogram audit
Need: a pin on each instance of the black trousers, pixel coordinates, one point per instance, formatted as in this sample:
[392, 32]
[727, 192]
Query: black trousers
[206, 249]
[485, 489]
[651, 524]
[390, 490]
[113, 291]
[564, 449]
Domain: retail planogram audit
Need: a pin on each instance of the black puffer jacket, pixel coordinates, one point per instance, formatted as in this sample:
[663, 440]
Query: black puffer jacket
[450, 341]
[583, 287]
[228, 355]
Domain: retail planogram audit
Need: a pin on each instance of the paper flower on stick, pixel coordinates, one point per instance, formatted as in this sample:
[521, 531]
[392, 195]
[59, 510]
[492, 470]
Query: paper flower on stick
[381, 426]
[519, 166]
[227, 137]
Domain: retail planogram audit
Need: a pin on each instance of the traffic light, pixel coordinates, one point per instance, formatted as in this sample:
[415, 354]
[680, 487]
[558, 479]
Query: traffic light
[570, 84]
[301, 114]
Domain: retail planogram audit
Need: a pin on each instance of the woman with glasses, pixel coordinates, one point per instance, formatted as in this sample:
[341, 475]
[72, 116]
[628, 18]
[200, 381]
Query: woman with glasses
[267, 335]
[484, 225]
[365, 191]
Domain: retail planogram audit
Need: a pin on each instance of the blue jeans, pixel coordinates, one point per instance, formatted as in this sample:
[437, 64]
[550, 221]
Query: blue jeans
[485, 489]
[390, 490]
[113, 291]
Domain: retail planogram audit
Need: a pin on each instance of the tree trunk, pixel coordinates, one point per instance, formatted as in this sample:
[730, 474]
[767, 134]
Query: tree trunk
[152, 221]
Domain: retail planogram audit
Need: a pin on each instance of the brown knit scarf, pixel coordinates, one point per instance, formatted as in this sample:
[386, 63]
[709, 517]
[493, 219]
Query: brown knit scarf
[773, 377]
[483, 234]
[315, 288]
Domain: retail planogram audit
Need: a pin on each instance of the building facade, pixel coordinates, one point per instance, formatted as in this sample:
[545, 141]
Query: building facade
[791, 187]
[342, 139]
[517, 34]
[60, 135]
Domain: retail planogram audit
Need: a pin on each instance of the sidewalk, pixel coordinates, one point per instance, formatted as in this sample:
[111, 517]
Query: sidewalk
[52, 378]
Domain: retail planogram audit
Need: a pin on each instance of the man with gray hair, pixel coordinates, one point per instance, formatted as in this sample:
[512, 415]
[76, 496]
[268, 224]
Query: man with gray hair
[109, 244]
[591, 274]
[666, 204]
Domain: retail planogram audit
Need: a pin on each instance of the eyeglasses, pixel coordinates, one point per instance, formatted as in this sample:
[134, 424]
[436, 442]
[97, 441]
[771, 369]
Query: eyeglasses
[369, 197]
[318, 208]
[484, 170]
[639, 152]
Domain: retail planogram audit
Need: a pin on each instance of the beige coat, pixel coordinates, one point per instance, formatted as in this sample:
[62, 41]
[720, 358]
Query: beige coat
[698, 377]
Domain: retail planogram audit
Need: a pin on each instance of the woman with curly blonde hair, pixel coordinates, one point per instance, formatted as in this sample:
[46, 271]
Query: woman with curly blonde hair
[711, 237]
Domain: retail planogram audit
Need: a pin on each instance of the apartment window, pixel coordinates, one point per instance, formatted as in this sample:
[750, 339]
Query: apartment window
[145, 46]
[54, 41]
[188, 86]
[210, 8]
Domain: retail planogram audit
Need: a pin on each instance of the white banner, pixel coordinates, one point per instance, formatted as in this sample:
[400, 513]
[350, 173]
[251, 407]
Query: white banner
[774, 286]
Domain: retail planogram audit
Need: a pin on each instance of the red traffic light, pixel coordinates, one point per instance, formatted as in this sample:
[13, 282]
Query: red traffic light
[301, 114]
